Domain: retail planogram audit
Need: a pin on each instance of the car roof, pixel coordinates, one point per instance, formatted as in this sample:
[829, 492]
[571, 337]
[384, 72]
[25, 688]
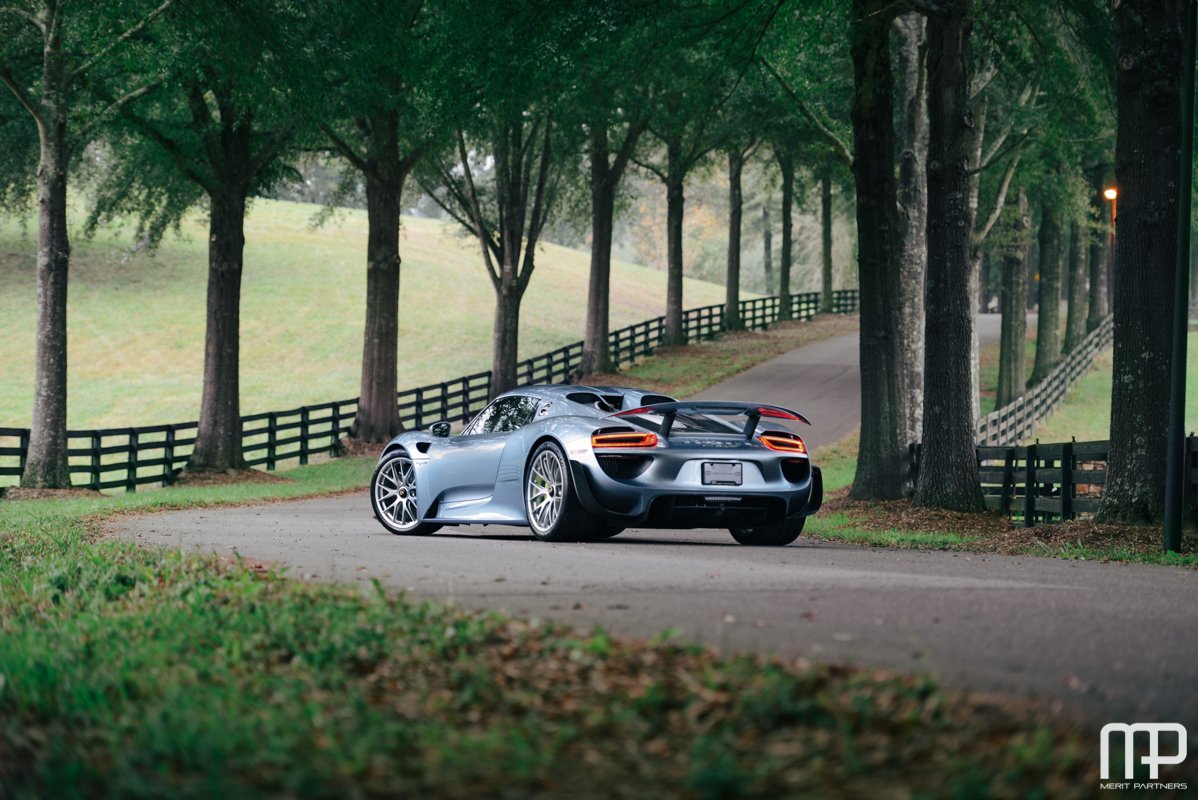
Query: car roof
[560, 391]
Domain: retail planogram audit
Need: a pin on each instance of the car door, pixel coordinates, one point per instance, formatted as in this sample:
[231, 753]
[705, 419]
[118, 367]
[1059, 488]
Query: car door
[469, 462]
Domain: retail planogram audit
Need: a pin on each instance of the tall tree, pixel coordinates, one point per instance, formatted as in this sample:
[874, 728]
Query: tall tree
[767, 245]
[737, 154]
[215, 132]
[786, 166]
[1148, 98]
[881, 453]
[376, 108]
[1048, 323]
[948, 468]
[827, 279]
[50, 50]
[1012, 247]
[1097, 256]
[1075, 315]
[911, 47]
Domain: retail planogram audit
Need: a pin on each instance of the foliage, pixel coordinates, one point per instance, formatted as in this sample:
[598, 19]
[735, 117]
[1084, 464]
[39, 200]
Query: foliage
[134, 672]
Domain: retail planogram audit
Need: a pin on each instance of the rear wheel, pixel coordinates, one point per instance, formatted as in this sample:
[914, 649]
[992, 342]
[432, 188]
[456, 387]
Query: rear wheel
[778, 535]
[393, 496]
[552, 506]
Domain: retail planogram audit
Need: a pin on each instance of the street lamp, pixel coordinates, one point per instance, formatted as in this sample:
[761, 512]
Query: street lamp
[1111, 194]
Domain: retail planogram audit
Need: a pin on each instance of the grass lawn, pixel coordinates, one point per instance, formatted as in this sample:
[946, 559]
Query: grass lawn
[129, 672]
[136, 321]
[1086, 413]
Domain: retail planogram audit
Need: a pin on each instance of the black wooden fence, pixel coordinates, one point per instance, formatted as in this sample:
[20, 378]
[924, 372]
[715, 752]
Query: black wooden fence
[1016, 422]
[1045, 482]
[1042, 482]
[125, 458]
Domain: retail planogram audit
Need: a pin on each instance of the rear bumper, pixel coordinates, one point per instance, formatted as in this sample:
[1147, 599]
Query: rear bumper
[642, 506]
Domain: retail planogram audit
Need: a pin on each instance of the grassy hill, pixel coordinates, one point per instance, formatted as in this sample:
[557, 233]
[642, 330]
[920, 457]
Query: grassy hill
[137, 320]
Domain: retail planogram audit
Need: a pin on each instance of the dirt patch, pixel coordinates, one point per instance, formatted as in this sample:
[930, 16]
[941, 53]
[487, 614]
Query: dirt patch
[17, 493]
[227, 477]
[356, 447]
[993, 533]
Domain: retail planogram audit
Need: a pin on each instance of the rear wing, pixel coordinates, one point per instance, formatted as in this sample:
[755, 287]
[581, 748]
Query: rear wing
[717, 408]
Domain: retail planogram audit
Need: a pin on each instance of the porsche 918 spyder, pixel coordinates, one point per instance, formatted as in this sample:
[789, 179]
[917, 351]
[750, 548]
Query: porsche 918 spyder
[577, 462]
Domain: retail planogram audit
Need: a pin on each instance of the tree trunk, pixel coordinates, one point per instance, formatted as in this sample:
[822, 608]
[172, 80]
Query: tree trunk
[378, 413]
[506, 334]
[1148, 137]
[1048, 324]
[881, 457]
[977, 141]
[948, 476]
[596, 350]
[218, 439]
[912, 229]
[1012, 359]
[1097, 255]
[46, 466]
[786, 165]
[767, 247]
[1075, 316]
[732, 320]
[825, 219]
[674, 333]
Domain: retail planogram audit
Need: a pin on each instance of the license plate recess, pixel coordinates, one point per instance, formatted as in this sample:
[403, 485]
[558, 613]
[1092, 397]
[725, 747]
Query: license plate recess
[722, 473]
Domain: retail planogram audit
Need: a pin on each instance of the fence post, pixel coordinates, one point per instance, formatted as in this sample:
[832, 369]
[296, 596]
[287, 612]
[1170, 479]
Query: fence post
[1030, 488]
[131, 469]
[303, 455]
[1008, 481]
[272, 434]
[1067, 480]
[335, 435]
[23, 447]
[168, 456]
[95, 482]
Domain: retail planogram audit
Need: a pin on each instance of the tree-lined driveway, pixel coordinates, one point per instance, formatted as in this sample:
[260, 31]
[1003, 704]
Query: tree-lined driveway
[1116, 640]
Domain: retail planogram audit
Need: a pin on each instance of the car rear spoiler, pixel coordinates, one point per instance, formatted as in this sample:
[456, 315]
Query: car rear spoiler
[718, 408]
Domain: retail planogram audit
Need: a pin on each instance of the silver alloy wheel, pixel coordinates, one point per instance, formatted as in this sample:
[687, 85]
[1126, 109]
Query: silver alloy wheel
[395, 493]
[544, 490]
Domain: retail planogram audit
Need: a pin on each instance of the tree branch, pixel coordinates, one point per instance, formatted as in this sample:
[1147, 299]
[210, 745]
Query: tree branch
[25, 15]
[274, 143]
[115, 106]
[999, 200]
[839, 146]
[118, 41]
[31, 105]
[540, 210]
[344, 147]
[475, 210]
[631, 137]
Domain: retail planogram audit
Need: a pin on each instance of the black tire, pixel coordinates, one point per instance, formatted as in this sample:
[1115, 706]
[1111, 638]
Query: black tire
[388, 479]
[777, 535]
[608, 532]
[550, 502]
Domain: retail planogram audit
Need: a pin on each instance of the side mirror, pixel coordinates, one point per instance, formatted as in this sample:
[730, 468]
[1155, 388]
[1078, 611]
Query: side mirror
[439, 429]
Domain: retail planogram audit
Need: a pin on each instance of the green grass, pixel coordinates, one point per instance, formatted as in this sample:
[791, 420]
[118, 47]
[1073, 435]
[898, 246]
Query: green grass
[1086, 413]
[136, 321]
[129, 672]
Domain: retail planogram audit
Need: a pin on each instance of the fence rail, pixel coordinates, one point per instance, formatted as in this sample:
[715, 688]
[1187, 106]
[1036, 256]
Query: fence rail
[1051, 482]
[1016, 422]
[1045, 482]
[126, 458]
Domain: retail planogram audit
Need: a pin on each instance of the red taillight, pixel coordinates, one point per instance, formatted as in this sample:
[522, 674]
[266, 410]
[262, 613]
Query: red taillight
[624, 439]
[778, 413]
[783, 442]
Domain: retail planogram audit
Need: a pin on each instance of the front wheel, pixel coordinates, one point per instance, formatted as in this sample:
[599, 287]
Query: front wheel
[552, 506]
[777, 535]
[393, 496]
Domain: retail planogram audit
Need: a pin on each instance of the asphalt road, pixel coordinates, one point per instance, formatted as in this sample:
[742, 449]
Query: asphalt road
[1116, 641]
[820, 381]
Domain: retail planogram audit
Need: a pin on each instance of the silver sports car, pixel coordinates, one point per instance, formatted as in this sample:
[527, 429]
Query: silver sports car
[583, 462]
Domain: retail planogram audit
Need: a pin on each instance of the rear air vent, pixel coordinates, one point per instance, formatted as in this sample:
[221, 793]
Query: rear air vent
[625, 467]
[796, 470]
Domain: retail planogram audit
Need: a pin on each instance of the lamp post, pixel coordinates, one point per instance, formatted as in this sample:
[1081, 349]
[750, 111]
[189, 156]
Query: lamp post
[1175, 460]
[1112, 196]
